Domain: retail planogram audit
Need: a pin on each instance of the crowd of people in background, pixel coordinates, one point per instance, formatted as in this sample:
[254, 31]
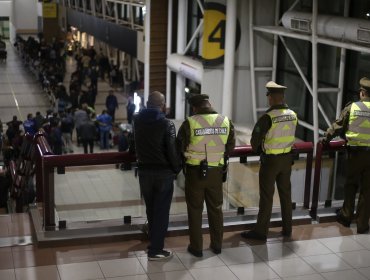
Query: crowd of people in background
[70, 110]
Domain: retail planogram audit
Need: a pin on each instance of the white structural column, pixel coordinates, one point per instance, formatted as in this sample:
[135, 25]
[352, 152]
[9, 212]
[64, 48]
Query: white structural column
[314, 73]
[276, 39]
[147, 51]
[181, 45]
[229, 65]
[169, 43]
[251, 56]
[343, 54]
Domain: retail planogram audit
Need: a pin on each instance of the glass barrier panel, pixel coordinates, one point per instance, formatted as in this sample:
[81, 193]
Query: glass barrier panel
[105, 192]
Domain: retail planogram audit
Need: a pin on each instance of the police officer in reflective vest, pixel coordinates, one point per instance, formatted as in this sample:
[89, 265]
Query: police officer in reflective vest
[354, 122]
[273, 137]
[203, 139]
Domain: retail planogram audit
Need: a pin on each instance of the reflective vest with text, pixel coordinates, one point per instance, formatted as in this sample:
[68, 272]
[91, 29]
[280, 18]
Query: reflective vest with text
[280, 137]
[358, 133]
[208, 133]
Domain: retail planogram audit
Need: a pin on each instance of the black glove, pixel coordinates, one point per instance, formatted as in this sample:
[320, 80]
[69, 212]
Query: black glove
[325, 142]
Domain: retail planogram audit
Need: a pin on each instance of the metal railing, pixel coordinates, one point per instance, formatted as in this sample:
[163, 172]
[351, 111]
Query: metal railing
[334, 146]
[49, 162]
[127, 13]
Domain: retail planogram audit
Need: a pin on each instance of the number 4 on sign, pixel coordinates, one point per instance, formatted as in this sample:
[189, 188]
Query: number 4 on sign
[218, 34]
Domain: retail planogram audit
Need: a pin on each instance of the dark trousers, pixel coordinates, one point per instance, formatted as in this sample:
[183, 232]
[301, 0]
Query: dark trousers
[157, 189]
[358, 177]
[104, 139]
[112, 113]
[89, 143]
[197, 191]
[274, 168]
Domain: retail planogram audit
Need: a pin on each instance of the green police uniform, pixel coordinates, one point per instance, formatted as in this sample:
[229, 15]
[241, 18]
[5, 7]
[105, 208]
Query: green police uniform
[354, 125]
[273, 137]
[217, 133]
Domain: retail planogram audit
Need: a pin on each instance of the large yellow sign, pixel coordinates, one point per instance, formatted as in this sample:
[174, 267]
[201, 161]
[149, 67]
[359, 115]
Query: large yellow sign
[214, 27]
[214, 34]
[49, 10]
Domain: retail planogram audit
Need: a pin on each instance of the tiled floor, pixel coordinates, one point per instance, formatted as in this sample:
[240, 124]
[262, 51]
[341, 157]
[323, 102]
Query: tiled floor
[324, 251]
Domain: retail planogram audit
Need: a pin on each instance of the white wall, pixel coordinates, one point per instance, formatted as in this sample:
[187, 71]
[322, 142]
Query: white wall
[5, 6]
[24, 15]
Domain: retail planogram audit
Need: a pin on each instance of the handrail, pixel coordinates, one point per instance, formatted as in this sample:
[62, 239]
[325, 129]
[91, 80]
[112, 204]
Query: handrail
[42, 149]
[50, 161]
[42, 143]
[333, 146]
[298, 148]
[88, 159]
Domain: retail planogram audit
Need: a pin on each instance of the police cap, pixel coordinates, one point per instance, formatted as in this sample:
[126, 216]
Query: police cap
[273, 87]
[197, 99]
[365, 83]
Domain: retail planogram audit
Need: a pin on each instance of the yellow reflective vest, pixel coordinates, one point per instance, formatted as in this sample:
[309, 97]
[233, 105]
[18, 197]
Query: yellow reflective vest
[208, 133]
[358, 133]
[280, 137]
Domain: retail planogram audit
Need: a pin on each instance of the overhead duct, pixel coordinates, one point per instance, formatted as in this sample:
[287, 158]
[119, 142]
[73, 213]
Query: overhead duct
[188, 67]
[342, 28]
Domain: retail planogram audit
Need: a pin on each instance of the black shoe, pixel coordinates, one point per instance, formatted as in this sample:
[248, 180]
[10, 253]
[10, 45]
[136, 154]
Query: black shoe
[216, 251]
[195, 253]
[253, 235]
[163, 255]
[342, 220]
[366, 230]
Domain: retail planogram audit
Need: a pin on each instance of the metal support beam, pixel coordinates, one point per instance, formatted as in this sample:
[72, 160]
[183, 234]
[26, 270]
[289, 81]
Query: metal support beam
[309, 126]
[169, 51]
[115, 12]
[342, 65]
[181, 44]
[104, 5]
[201, 6]
[93, 8]
[328, 90]
[306, 82]
[147, 51]
[195, 34]
[229, 64]
[315, 102]
[275, 48]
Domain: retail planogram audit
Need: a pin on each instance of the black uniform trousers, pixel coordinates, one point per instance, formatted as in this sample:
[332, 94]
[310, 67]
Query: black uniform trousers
[197, 191]
[358, 176]
[274, 168]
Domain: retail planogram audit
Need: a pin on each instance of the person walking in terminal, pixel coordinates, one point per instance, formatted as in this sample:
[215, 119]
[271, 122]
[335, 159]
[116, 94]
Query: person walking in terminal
[154, 142]
[111, 103]
[203, 139]
[353, 122]
[273, 137]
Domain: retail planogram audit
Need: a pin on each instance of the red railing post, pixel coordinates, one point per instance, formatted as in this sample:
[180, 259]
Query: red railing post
[316, 181]
[49, 200]
[307, 184]
[38, 174]
[334, 146]
[41, 148]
